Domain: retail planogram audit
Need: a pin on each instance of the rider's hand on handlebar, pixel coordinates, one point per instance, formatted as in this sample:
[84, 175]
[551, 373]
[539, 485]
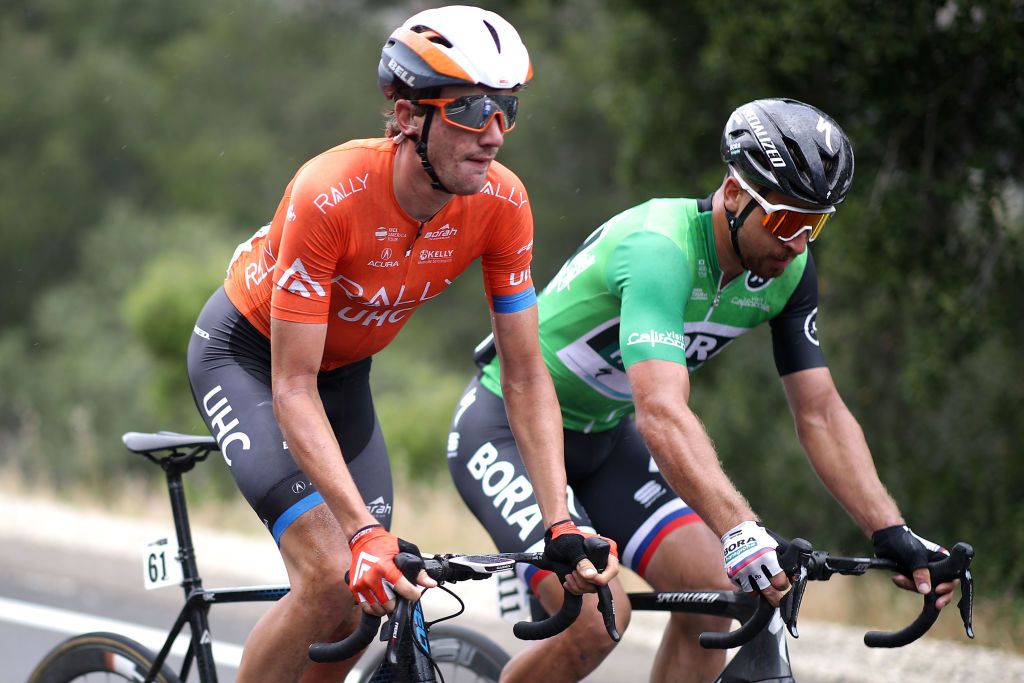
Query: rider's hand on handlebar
[373, 577]
[752, 562]
[563, 543]
[912, 553]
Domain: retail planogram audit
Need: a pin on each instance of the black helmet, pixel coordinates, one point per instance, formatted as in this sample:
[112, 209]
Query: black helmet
[792, 148]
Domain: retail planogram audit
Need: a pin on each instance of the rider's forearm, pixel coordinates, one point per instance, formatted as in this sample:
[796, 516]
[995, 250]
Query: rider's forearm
[839, 454]
[687, 460]
[536, 421]
[315, 449]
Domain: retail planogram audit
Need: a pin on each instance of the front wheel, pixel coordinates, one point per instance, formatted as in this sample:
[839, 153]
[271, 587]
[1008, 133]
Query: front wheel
[98, 657]
[462, 655]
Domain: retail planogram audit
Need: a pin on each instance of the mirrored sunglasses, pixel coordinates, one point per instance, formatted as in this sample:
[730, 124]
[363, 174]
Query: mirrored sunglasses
[784, 221]
[475, 112]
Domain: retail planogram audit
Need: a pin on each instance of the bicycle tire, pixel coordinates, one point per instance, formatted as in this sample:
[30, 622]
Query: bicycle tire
[463, 655]
[77, 658]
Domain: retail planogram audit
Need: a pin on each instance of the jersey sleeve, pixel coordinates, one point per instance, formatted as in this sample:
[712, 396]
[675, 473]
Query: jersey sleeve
[794, 329]
[506, 263]
[311, 245]
[648, 272]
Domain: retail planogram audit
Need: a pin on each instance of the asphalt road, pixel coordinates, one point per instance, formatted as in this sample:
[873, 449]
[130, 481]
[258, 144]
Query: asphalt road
[66, 570]
[50, 590]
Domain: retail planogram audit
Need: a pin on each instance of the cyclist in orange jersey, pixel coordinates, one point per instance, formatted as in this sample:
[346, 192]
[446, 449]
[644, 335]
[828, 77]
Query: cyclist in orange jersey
[365, 233]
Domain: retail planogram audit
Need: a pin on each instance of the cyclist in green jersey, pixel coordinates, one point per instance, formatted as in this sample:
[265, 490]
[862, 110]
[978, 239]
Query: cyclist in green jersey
[648, 297]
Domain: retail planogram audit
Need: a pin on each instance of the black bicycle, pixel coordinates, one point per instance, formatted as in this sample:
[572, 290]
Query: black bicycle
[449, 651]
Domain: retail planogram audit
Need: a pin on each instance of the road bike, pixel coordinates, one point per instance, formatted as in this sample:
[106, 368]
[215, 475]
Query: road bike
[415, 651]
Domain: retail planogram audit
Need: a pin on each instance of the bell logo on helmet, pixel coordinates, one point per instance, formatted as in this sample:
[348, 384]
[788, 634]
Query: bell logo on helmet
[400, 71]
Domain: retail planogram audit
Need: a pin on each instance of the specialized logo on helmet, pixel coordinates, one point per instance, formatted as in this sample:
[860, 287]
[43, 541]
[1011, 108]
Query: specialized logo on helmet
[826, 128]
[811, 327]
[762, 136]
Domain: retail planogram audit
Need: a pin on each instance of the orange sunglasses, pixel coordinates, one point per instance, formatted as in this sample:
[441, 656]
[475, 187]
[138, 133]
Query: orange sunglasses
[475, 112]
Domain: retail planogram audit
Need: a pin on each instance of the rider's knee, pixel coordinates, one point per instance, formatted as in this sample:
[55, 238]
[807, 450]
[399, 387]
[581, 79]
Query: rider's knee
[321, 584]
[692, 625]
[588, 636]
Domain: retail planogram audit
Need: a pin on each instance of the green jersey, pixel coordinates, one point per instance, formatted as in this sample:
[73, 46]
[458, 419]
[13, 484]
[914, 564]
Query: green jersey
[647, 285]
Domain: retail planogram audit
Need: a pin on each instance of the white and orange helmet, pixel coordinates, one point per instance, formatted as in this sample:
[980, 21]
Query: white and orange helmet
[454, 45]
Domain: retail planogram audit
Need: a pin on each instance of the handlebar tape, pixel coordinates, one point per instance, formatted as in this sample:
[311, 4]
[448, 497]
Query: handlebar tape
[553, 625]
[348, 647]
[746, 632]
[946, 569]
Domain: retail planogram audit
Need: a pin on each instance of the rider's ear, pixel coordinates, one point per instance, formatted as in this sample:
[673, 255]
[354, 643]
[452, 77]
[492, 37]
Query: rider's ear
[732, 194]
[409, 118]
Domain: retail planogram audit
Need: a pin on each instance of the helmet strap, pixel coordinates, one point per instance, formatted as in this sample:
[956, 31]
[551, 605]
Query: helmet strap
[421, 150]
[735, 223]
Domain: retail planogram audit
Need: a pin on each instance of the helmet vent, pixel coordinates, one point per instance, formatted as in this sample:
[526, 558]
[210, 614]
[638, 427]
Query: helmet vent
[432, 35]
[829, 164]
[494, 35]
[799, 162]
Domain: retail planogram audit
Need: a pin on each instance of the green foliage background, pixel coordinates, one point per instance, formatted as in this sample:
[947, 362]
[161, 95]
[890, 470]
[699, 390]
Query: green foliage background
[143, 140]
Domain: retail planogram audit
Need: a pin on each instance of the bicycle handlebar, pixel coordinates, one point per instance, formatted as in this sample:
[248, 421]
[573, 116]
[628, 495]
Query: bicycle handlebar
[956, 565]
[792, 557]
[443, 570]
[813, 565]
[597, 550]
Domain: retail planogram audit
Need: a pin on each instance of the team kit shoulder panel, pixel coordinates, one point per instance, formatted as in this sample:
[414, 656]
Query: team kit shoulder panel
[645, 285]
[341, 251]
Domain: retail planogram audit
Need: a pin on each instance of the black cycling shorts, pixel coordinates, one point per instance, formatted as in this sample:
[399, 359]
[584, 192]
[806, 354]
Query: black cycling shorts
[614, 486]
[229, 370]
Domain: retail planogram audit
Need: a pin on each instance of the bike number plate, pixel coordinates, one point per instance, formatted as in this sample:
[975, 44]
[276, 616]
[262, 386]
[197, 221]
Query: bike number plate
[160, 564]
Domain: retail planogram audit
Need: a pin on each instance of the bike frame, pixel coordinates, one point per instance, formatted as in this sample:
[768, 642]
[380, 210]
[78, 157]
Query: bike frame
[762, 660]
[197, 599]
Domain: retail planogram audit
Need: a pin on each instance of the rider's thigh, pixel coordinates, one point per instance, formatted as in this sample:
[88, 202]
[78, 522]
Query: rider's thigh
[688, 558]
[490, 475]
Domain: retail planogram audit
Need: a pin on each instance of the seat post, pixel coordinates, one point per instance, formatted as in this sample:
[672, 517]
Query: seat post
[186, 551]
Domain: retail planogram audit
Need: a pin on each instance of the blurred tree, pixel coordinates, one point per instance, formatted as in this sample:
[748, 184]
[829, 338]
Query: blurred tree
[920, 269]
[143, 140]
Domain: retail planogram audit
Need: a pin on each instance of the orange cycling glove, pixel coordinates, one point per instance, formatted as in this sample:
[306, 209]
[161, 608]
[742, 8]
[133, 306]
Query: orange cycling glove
[373, 570]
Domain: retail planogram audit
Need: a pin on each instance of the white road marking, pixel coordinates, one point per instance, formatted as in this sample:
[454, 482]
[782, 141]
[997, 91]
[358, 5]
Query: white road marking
[74, 623]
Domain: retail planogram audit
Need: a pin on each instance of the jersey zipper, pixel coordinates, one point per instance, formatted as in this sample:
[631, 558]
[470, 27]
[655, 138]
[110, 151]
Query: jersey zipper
[718, 297]
[419, 231]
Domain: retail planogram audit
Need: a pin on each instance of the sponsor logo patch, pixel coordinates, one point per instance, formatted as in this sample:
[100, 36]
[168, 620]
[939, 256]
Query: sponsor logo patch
[656, 337]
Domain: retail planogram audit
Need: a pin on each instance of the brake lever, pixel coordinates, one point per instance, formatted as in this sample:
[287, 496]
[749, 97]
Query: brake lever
[794, 561]
[598, 551]
[966, 604]
[395, 628]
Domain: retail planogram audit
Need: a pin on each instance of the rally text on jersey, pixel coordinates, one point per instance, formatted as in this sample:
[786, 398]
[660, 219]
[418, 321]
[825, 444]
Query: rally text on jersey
[340, 192]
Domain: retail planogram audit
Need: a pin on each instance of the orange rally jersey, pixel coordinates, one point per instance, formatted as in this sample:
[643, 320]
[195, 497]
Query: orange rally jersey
[341, 251]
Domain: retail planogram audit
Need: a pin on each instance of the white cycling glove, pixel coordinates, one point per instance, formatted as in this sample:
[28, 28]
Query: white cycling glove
[750, 556]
